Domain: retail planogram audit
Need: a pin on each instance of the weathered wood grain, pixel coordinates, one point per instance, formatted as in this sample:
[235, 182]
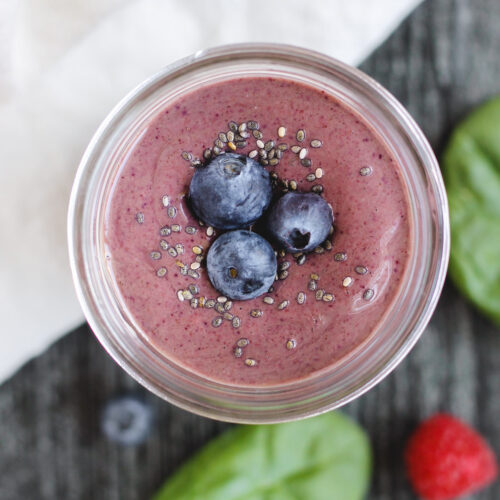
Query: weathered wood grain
[441, 62]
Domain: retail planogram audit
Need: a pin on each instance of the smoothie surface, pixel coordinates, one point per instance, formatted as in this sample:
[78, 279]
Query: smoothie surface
[347, 286]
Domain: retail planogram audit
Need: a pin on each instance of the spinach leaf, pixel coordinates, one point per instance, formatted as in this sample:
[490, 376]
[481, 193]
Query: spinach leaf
[326, 457]
[471, 169]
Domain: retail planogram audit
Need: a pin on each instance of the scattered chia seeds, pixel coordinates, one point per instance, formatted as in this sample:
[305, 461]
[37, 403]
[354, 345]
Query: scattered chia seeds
[340, 257]
[207, 154]
[257, 134]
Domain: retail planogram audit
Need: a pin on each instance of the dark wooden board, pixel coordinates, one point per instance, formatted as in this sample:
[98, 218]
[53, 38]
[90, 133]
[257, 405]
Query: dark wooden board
[442, 61]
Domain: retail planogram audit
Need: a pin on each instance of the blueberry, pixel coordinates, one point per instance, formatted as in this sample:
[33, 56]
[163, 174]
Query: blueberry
[127, 420]
[241, 265]
[231, 192]
[299, 221]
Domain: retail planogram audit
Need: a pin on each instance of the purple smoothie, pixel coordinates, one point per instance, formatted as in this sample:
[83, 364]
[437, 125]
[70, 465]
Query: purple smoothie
[359, 273]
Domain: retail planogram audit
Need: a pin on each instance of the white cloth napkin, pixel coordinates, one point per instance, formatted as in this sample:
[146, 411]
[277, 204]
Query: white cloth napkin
[63, 65]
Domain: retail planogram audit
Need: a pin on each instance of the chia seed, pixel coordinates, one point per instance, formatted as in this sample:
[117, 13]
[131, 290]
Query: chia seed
[291, 344]
[216, 322]
[162, 271]
[301, 298]
[361, 270]
[364, 171]
[340, 257]
[155, 255]
[282, 305]
[368, 295]
[256, 313]
[139, 217]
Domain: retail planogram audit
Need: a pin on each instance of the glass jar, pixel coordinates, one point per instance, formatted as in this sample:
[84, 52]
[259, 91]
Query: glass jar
[358, 371]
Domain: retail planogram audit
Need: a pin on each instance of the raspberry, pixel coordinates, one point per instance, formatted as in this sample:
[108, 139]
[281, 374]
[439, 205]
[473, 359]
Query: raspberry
[445, 458]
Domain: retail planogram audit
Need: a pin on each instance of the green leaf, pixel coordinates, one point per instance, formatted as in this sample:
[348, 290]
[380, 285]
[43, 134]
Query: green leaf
[326, 457]
[471, 169]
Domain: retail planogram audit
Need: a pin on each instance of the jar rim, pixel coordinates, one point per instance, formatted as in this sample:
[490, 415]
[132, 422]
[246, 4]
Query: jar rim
[245, 405]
